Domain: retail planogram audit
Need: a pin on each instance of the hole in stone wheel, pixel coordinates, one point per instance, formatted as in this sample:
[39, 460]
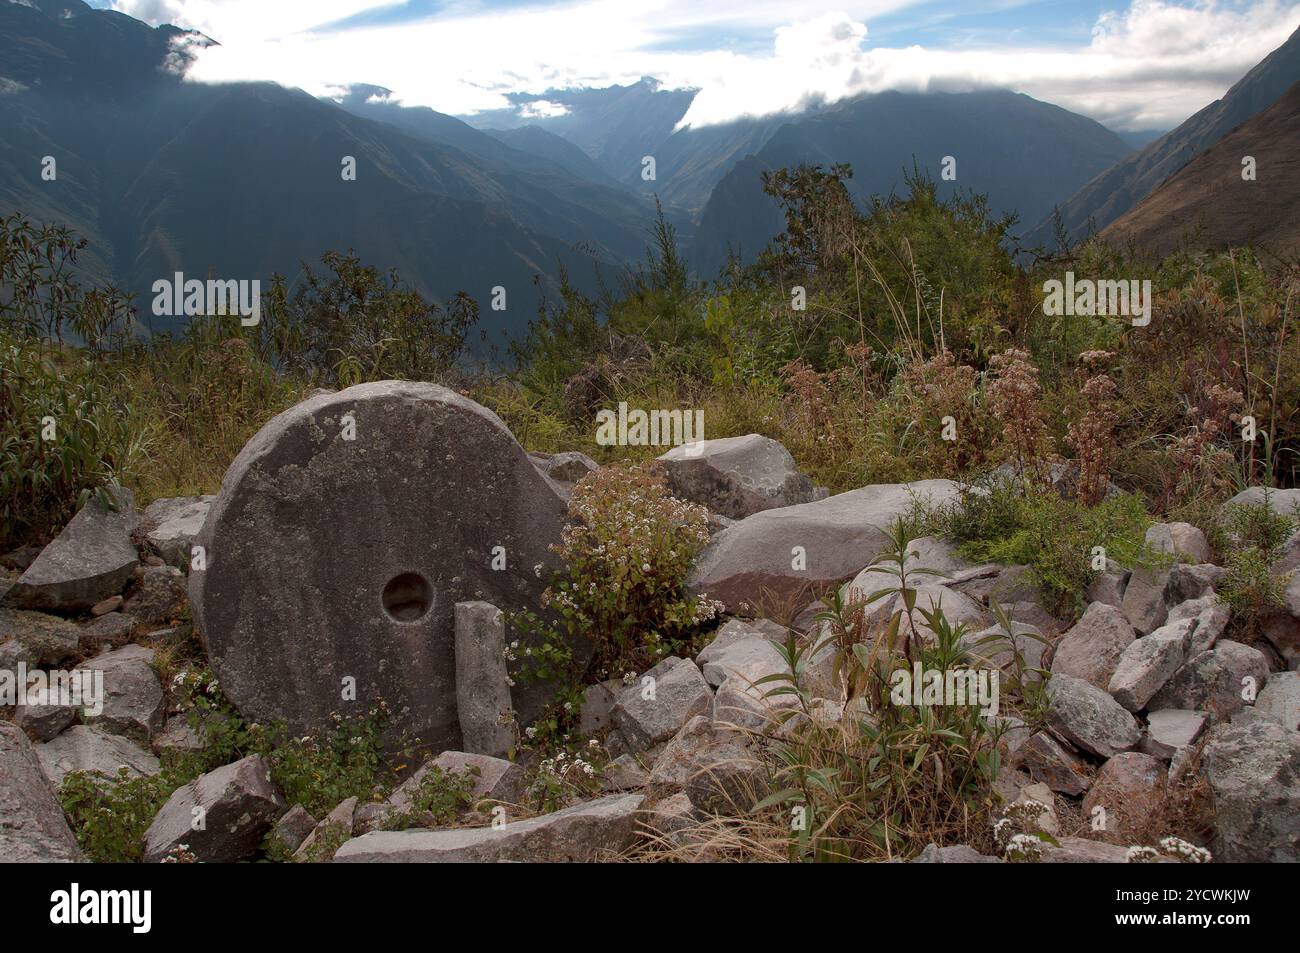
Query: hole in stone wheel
[407, 597]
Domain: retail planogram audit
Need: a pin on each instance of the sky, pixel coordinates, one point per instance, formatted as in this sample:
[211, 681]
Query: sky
[1137, 65]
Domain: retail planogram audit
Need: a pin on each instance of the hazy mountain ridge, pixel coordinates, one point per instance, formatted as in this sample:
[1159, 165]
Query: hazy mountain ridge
[1117, 190]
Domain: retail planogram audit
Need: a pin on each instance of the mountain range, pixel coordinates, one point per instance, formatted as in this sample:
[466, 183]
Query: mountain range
[243, 180]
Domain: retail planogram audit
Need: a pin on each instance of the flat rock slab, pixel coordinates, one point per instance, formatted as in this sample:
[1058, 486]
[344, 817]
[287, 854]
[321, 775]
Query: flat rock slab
[32, 826]
[331, 559]
[585, 832]
[82, 748]
[756, 559]
[89, 561]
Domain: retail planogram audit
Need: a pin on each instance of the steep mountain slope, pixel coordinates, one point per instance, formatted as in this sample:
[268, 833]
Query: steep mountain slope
[243, 180]
[1208, 205]
[1117, 190]
[1023, 153]
[536, 141]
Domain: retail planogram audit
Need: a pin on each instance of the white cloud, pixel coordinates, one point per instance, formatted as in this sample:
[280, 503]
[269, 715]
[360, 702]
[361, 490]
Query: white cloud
[1151, 65]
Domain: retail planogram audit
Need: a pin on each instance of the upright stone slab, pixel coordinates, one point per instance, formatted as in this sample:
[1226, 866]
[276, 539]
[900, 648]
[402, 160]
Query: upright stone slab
[482, 681]
[329, 558]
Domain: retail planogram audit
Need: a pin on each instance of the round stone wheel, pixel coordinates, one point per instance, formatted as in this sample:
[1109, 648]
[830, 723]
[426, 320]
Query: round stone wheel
[343, 536]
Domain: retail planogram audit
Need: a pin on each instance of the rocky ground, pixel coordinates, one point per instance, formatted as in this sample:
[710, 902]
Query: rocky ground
[1150, 706]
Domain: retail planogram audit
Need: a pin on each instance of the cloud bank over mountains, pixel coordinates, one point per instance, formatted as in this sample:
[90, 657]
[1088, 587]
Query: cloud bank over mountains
[1149, 64]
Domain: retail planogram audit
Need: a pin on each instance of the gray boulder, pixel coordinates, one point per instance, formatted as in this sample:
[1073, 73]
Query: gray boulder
[133, 696]
[372, 541]
[220, 817]
[1279, 702]
[786, 552]
[1051, 763]
[169, 526]
[1182, 540]
[494, 778]
[92, 559]
[1214, 681]
[1170, 731]
[1130, 790]
[736, 476]
[158, 595]
[81, 748]
[1089, 718]
[1092, 647]
[710, 764]
[648, 712]
[1254, 776]
[1210, 618]
[32, 826]
[1144, 599]
[1147, 663]
[35, 639]
[595, 830]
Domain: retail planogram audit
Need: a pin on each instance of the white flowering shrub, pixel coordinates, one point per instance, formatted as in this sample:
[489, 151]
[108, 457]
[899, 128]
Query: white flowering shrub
[626, 552]
[1171, 848]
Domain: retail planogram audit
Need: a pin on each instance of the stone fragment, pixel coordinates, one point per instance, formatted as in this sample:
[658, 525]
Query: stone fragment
[133, 697]
[591, 831]
[647, 713]
[482, 680]
[1089, 718]
[32, 826]
[1214, 681]
[169, 526]
[1254, 776]
[1171, 730]
[1127, 796]
[238, 803]
[1147, 663]
[92, 559]
[81, 748]
[1092, 647]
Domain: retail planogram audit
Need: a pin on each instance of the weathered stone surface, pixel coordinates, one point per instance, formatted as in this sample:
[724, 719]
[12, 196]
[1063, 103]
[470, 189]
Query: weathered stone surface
[105, 606]
[1212, 681]
[740, 703]
[168, 527]
[595, 830]
[239, 804]
[1210, 617]
[1130, 788]
[293, 828]
[569, 466]
[1171, 730]
[748, 659]
[1092, 647]
[337, 822]
[1147, 663]
[494, 778]
[1280, 700]
[1041, 795]
[1108, 586]
[32, 825]
[1282, 631]
[330, 558]
[1081, 850]
[671, 818]
[959, 854]
[1144, 599]
[958, 608]
[1279, 501]
[1193, 582]
[598, 706]
[19, 559]
[839, 534]
[1050, 762]
[710, 765]
[106, 630]
[133, 696]
[736, 476]
[1179, 539]
[1089, 718]
[158, 595]
[624, 773]
[177, 735]
[733, 631]
[89, 561]
[81, 748]
[680, 693]
[1008, 584]
[1254, 776]
[42, 722]
[35, 638]
[482, 680]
